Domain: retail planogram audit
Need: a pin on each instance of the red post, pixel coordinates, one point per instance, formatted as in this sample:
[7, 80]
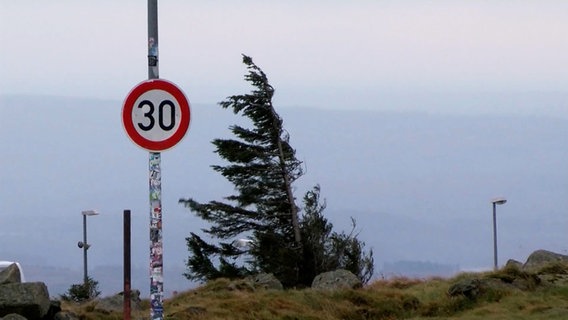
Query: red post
[127, 307]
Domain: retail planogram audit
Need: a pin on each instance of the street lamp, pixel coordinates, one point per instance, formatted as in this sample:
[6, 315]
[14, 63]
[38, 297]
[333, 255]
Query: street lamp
[495, 202]
[84, 245]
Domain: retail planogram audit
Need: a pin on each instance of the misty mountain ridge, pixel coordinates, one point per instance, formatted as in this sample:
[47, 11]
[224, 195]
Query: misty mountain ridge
[419, 185]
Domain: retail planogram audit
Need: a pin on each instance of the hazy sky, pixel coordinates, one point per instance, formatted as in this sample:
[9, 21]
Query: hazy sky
[341, 54]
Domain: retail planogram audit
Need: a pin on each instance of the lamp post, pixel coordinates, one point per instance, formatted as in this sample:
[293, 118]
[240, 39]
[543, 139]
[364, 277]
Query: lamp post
[495, 202]
[84, 245]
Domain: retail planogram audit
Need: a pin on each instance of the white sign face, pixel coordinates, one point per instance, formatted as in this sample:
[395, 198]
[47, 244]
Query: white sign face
[156, 115]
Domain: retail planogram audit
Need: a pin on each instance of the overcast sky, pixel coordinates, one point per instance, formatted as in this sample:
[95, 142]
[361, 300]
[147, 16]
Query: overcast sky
[341, 54]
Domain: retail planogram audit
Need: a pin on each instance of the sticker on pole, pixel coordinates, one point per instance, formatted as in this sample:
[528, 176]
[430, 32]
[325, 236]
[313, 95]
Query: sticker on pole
[156, 115]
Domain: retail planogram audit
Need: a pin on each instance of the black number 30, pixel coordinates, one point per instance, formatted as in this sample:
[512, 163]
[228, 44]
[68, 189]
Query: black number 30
[161, 110]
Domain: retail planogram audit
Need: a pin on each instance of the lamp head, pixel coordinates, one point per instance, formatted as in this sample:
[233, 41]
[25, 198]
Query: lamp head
[90, 212]
[499, 200]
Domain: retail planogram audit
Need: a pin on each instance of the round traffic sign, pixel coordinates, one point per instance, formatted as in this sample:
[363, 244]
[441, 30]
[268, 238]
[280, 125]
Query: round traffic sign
[156, 115]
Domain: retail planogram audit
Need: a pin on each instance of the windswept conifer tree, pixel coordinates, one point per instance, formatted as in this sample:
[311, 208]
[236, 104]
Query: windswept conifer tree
[262, 166]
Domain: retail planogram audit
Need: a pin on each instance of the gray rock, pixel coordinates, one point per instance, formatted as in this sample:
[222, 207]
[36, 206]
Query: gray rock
[116, 302]
[265, 281]
[54, 308]
[558, 279]
[498, 285]
[14, 316]
[473, 288]
[30, 299]
[512, 263]
[338, 279]
[470, 288]
[541, 258]
[241, 285]
[10, 275]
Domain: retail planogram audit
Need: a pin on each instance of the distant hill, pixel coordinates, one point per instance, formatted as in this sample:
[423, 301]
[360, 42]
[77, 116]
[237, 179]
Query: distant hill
[419, 185]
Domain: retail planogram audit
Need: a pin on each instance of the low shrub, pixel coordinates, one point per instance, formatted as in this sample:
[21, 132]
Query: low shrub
[82, 292]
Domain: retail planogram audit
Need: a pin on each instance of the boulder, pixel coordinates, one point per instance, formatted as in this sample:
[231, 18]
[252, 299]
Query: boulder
[30, 299]
[265, 281]
[512, 263]
[54, 308]
[560, 280]
[116, 302]
[241, 285]
[338, 279]
[13, 316]
[473, 288]
[541, 258]
[469, 288]
[10, 275]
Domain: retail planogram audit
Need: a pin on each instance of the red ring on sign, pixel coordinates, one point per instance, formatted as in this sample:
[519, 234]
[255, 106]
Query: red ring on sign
[128, 106]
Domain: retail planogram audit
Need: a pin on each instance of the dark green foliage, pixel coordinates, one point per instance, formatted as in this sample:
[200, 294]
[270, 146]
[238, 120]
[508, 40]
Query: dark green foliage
[326, 250]
[262, 166]
[82, 292]
[201, 264]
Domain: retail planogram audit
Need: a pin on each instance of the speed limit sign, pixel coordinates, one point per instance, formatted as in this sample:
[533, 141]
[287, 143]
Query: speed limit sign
[156, 115]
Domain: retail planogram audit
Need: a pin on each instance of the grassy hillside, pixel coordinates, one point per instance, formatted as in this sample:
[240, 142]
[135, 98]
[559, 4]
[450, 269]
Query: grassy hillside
[508, 293]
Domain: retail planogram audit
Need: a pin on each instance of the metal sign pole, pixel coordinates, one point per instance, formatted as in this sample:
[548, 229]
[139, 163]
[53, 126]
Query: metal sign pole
[155, 183]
